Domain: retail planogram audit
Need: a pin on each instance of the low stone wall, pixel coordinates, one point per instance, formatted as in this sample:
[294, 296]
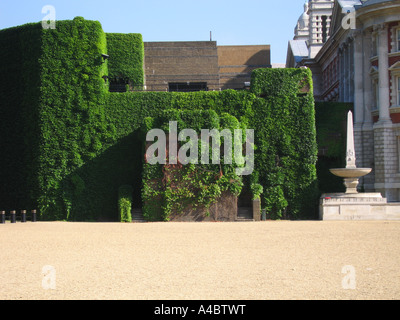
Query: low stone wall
[358, 208]
[225, 209]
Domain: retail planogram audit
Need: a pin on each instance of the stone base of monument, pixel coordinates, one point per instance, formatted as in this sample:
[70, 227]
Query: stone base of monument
[357, 206]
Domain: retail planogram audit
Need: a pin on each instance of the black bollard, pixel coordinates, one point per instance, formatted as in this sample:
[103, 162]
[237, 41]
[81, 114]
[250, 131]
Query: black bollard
[13, 217]
[33, 215]
[23, 215]
[2, 217]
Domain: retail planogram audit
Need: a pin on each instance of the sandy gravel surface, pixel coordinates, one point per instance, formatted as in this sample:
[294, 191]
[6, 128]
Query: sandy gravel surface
[238, 260]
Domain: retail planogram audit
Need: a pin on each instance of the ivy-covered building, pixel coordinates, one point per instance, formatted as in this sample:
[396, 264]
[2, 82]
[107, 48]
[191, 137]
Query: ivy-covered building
[70, 147]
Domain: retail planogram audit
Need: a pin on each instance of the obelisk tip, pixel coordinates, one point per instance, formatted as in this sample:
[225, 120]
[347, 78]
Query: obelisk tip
[350, 150]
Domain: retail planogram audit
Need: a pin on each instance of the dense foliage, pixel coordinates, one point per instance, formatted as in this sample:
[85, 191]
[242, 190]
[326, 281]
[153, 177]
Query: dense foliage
[125, 193]
[70, 144]
[19, 102]
[126, 57]
[284, 125]
[169, 188]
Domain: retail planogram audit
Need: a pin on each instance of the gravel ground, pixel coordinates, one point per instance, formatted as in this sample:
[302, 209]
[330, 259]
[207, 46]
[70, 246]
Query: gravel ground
[204, 260]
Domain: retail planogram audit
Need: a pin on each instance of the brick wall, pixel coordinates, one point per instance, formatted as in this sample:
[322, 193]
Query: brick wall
[222, 67]
[192, 61]
[225, 209]
[237, 62]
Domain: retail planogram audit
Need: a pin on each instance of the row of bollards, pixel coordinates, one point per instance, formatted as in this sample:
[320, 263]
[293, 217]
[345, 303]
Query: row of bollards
[13, 216]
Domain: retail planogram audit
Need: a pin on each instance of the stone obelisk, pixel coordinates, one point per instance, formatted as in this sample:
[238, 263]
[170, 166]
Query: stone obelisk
[352, 205]
[350, 150]
[351, 173]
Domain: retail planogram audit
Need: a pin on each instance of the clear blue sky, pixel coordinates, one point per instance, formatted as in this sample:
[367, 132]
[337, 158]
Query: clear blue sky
[232, 22]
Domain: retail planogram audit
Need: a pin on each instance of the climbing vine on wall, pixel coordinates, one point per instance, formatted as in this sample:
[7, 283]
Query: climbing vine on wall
[172, 188]
[69, 144]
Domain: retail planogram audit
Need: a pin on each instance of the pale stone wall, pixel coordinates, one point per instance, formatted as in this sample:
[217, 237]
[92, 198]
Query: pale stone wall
[367, 159]
[386, 162]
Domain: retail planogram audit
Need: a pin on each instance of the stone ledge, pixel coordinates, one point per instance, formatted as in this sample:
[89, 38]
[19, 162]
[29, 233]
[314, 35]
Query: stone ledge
[361, 206]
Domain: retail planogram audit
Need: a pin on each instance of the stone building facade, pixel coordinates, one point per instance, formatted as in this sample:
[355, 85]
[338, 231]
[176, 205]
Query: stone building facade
[359, 62]
[201, 65]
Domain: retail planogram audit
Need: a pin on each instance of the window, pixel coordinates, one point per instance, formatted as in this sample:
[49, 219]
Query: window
[324, 28]
[187, 86]
[376, 91]
[398, 153]
[398, 40]
[118, 84]
[398, 91]
[375, 44]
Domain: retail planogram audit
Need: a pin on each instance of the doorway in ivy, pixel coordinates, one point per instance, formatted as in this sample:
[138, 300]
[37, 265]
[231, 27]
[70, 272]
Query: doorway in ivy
[245, 203]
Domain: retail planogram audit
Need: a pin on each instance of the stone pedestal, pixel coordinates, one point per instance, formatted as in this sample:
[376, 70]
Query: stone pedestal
[351, 185]
[256, 209]
[357, 206]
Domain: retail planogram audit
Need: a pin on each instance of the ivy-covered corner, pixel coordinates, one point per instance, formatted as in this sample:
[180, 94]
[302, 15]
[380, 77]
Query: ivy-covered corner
[285, 136]
[126, 59]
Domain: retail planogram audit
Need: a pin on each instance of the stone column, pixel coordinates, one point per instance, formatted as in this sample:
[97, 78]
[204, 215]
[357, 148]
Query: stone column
[385, 155]
[384, 103]
[368, 90]
[367, 127]
[352, 70]
[340, 73]
[358, 95]
[358, 80]
[345, 72]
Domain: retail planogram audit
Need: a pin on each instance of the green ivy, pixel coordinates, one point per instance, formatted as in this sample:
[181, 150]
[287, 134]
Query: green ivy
[19, 132]
[126, 57]
[285, 135]
[125, 203]
[68, 144]
[176, 187]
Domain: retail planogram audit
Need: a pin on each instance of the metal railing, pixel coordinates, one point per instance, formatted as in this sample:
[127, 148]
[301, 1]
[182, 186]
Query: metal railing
[12, 216]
